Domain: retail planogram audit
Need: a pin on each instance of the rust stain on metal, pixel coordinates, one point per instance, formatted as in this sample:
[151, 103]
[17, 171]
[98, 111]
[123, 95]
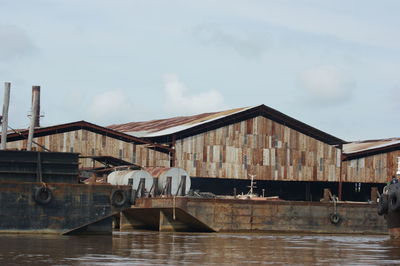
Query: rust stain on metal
[161, 124]
[368, 145]
[83, 125]
[226, 215]
[157, 171]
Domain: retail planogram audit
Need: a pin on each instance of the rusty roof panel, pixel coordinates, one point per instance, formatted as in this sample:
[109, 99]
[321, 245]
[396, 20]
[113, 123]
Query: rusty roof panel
[365, 148]
[181, 127]
[367, 145]
[44, 131]
[158, 127]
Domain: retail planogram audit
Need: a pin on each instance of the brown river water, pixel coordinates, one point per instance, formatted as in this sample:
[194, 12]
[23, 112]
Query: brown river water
[154, 248]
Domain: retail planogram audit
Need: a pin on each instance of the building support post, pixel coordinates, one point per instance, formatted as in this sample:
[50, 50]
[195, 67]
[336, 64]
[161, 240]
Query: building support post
[173, 152]
[340, 173]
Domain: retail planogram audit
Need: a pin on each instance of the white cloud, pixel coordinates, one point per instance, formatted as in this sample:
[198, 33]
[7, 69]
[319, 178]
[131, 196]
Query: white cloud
[109, 107]
[327, 84]
[179, 101]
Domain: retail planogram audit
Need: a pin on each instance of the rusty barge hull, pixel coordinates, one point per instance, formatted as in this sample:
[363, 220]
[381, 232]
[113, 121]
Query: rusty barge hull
[72, 208]
[237, 215]
[40, 193]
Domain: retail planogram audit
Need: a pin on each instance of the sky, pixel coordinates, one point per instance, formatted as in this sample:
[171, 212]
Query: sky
[334, 65]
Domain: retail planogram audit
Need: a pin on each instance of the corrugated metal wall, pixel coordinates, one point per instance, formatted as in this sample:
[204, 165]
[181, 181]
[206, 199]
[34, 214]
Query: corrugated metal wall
[258, 146]
[371, 169]
[88, 143]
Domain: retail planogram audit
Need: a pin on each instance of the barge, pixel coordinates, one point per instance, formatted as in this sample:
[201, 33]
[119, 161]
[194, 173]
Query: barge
[251, 213]
[238, 215]
[40, 193]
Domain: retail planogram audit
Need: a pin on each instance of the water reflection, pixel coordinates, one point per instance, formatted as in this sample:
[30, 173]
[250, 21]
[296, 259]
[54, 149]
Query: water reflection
[153, 248]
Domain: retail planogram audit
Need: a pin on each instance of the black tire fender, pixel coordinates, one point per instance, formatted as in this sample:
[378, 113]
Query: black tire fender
[335, 218]
[394, 200]
[43, 195]
[383, 205]
[118, 198]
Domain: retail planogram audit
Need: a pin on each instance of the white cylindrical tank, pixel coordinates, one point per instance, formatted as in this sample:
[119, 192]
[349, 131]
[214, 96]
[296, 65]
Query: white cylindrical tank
[136, 175]
[176, 176]
[115, 177]
[122, 178]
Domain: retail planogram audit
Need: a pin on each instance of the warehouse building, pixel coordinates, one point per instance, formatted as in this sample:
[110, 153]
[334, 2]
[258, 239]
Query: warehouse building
[93, 142]
[369, 163]
[222, 150]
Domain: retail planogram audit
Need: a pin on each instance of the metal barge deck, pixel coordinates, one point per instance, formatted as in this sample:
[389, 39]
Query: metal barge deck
[238, 215]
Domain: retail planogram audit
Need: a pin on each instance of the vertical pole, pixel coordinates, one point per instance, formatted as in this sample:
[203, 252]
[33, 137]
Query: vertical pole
[169, 184]
[155, 184]
[141, 188]
[340, 189]
[183, 186]
[173, 152]
[36, 90]
[35, 98]
[4, 127]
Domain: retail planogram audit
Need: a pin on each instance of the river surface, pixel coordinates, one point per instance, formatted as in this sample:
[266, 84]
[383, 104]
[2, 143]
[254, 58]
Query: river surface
[154, 248]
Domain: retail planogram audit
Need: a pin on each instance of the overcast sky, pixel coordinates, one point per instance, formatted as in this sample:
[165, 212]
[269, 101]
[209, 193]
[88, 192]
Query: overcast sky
[334, 65]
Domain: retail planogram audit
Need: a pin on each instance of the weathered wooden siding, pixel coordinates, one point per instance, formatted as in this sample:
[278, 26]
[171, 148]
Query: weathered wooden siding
[88, 143]
[371, 169]
[258, 146]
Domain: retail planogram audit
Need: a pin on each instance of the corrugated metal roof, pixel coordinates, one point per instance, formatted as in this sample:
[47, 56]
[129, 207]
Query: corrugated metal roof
[369, 145]
[162, 127]
[44, 131]
[181, 127]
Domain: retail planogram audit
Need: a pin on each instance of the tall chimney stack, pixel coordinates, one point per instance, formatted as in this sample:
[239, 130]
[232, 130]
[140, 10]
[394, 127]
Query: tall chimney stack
[34, 112]
[4, 121]
[36, 90]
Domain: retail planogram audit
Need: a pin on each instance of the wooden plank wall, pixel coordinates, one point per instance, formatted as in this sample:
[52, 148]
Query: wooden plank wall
[371, 169]
[258, 146]
[88, 143]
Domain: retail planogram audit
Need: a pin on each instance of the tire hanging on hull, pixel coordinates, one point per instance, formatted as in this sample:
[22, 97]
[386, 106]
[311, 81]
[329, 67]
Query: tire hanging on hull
[335, 218]
[118, 198]
[42, 195]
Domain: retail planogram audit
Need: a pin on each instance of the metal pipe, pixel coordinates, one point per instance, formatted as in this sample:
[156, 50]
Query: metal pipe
[36, 89]
[35, 103]
[4, 121]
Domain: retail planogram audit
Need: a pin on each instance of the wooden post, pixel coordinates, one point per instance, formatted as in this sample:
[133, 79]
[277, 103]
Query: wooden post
[4, 127]
[35, 103]
[327, 194]
[374, 194]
